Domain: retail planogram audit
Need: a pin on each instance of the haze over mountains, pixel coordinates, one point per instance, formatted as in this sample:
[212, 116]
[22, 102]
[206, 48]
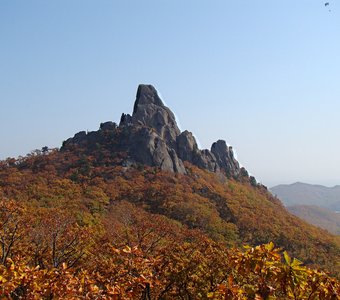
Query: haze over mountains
[318, 216]
[308, 194]
[316, 204]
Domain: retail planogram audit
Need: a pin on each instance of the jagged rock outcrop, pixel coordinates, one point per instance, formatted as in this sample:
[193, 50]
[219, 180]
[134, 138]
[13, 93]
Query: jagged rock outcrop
[206, 160]
[147, 147]
[150, 136]
[225, 158]
[187, 150]
[187, 146]
[108, 126]
[150, 111]
[155, 131]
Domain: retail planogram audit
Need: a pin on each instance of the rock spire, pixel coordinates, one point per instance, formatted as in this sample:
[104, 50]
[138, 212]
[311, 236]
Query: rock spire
[151, 136]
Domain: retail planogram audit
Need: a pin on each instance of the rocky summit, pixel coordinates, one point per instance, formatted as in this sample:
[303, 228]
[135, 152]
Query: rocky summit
[150, 136]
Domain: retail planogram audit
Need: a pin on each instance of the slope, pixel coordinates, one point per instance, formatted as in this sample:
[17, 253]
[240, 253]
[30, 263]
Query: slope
[148, 162]
[318, 216]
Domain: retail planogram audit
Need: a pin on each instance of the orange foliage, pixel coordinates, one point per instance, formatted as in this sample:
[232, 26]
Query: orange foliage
[81, 226]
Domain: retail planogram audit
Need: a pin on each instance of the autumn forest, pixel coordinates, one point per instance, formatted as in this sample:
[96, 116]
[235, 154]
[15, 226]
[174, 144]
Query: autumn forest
[77, 224]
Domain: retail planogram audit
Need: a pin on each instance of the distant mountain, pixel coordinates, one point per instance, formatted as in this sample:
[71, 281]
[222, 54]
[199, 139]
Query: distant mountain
[318, 216]
[308, 194]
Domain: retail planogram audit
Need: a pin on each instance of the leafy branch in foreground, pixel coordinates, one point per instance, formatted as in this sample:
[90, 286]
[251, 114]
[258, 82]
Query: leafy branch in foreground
[186, 271]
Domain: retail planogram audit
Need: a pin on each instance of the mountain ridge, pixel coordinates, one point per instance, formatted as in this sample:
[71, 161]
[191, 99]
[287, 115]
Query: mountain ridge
[151, 136]
[299, 193]
[109, 194]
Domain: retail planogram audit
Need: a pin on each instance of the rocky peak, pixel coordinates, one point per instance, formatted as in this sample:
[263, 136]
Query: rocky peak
[146, 95]
[151, 137]
[150, 111]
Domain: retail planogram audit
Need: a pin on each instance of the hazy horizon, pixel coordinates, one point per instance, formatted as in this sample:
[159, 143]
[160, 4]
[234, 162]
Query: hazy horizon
[263, 76]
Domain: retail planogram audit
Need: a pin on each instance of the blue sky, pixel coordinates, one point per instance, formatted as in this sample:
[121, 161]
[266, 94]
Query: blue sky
[263, 75]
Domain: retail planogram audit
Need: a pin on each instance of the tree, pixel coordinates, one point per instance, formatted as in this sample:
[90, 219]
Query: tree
[13, 228]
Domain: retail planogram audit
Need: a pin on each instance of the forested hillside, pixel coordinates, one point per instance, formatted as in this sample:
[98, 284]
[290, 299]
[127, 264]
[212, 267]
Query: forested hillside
[80, 224]
[318, 216]
[138, 211]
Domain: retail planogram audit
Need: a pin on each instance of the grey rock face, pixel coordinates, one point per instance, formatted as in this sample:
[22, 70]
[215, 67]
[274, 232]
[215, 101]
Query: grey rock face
[186, 146]
[206, 160]
[125, 120]
[187, 150]
[225, 158]
[146, 94]
[150, 111]
[154, 140]
[108, 126]
[78, 139]
[148, 148]
[151, 136]
[177, 163]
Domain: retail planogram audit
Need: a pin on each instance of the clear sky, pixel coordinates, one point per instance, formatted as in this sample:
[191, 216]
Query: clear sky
[263, 75]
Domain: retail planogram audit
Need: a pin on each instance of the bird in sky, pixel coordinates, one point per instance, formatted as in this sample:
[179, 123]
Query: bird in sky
[327, 4]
